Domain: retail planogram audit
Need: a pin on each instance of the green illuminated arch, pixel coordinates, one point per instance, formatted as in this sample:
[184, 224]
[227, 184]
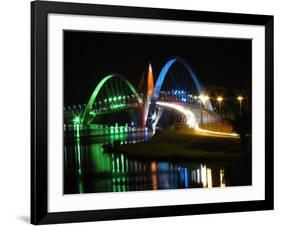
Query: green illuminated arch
[86, 119]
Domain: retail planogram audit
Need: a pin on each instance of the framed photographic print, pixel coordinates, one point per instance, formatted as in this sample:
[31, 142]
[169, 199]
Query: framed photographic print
[144, 112]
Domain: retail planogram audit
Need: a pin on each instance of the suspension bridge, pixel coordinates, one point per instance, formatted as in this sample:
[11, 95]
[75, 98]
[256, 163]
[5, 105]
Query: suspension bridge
[177, 88]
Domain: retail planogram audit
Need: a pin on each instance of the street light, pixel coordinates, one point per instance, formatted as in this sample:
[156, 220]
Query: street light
[240, 98]
[219, 100]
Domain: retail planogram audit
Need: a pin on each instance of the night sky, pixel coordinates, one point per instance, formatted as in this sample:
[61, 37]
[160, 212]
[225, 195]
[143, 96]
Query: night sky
[88, 56]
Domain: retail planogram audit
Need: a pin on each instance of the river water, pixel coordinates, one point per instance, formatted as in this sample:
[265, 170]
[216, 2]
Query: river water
[90, 168]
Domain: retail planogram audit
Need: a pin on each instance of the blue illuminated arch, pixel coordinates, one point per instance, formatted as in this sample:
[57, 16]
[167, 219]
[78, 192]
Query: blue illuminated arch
[163, 73]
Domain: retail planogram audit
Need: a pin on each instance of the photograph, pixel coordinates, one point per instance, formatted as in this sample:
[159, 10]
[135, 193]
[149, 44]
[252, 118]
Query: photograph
[154, 112]
[140, 112]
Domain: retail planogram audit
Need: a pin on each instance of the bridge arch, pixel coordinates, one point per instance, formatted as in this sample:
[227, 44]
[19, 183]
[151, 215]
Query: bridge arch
[201, 90]
[207, 104]
[86, 118]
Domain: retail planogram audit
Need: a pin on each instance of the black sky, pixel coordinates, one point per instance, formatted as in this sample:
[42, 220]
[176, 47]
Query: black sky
[88, 56]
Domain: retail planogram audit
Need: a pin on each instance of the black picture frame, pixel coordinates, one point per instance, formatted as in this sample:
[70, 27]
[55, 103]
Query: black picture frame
[39, 112]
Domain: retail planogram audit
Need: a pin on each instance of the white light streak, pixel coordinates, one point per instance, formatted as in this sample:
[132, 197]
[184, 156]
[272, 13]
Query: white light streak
[191, 120]
[216, 133]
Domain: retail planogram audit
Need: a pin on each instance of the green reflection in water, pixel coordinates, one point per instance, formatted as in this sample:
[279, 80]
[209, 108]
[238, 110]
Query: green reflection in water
[100, 160]
[113, 165]
[106, 162]
[77, 147]
[78, 154]
[80, 186]
[117, 164]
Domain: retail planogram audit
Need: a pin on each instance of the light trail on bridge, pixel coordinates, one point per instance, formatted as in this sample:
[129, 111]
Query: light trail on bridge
[191, 119]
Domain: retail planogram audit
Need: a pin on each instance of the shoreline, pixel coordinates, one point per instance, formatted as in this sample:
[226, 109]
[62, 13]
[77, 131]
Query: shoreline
[186, 144]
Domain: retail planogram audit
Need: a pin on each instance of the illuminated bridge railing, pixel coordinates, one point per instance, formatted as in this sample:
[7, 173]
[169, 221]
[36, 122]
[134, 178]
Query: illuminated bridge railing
[114, 108]
[178, 96]
[74, 109]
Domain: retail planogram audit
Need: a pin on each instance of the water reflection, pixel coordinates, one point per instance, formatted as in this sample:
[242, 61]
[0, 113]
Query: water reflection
[90, 168]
